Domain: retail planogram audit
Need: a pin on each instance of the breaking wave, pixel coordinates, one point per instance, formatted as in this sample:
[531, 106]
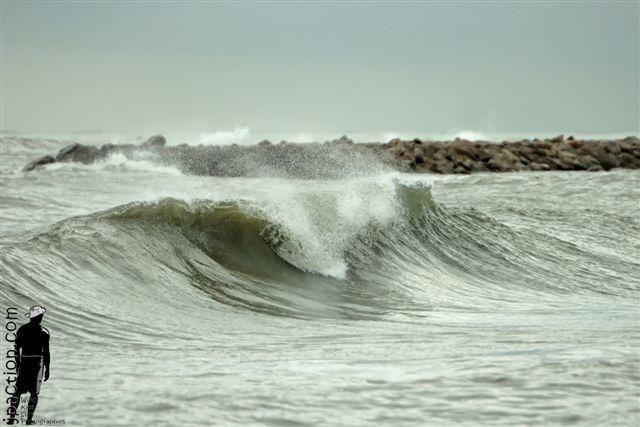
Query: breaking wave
[241, 256]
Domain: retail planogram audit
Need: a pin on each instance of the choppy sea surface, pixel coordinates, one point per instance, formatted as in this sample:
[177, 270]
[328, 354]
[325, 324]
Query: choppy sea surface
[386, 298]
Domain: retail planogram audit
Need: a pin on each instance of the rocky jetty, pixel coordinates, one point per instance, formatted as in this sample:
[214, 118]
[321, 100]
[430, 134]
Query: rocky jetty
[342, 157]
[461, 156]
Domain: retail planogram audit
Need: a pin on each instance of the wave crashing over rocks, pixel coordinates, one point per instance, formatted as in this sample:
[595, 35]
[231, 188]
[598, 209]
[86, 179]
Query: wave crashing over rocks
[342, 157]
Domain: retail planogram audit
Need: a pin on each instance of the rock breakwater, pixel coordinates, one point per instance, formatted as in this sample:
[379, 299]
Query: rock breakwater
[343, 157]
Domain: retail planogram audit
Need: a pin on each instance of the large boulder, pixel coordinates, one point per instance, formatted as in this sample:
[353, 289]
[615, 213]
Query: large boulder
[603, 154]
[344, 139]
[155, 141]
[538, 166]
[108, 149]
[467, 150]
[629, 161]
[442, 165]
[44, 160]
[77, 153]
[504, 161]
[569, 161]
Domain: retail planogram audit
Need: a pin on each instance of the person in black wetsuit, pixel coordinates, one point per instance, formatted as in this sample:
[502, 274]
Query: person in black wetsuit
[32, 356]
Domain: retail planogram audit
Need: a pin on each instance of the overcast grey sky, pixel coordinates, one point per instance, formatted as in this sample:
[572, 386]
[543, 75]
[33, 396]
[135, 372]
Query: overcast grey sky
[491, 67]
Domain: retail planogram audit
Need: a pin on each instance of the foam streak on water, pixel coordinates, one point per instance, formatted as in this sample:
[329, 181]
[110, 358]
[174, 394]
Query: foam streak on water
[392, 299]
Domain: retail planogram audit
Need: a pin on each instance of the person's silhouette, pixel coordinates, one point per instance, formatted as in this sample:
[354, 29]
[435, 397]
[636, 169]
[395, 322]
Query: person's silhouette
[32, 355]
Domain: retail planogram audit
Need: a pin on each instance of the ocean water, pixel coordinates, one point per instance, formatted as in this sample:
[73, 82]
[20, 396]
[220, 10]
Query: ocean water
[385, 298]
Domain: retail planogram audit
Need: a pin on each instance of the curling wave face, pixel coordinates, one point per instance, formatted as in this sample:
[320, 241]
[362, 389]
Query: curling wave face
[326, 261]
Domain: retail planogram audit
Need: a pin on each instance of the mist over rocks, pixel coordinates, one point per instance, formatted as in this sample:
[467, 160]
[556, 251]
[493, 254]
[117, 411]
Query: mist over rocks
[343, 157]
[334, 159]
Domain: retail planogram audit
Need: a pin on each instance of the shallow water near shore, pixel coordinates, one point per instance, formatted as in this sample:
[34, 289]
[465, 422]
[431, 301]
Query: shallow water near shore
[394, 299]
